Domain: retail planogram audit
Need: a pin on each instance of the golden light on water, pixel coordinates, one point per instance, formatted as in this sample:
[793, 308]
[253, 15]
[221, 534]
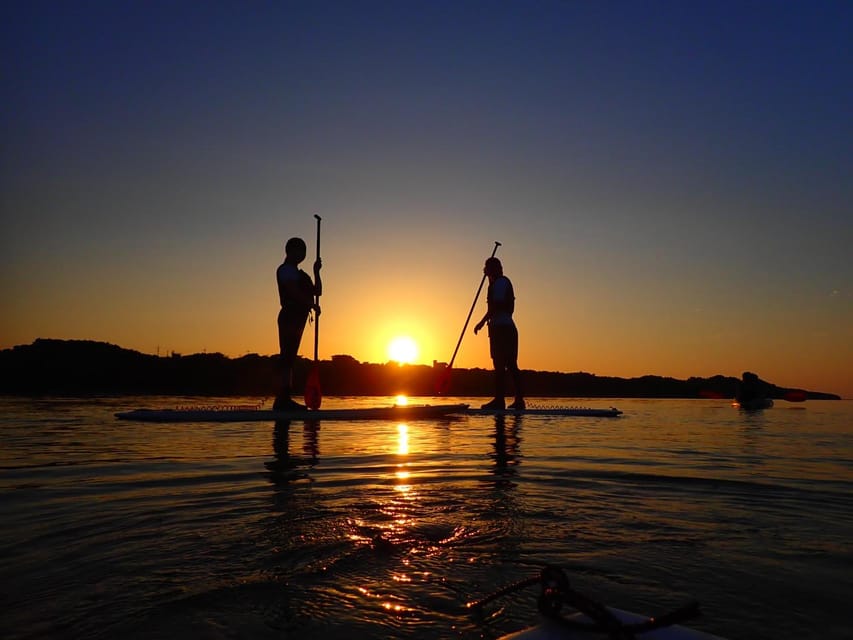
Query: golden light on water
[402, 439]
[402, 474]
[388, 605]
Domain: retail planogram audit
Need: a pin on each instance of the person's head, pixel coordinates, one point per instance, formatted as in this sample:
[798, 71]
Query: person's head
[493, 267]
[295, 249]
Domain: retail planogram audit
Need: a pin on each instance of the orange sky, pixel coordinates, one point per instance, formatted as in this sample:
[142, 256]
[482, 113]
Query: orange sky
[569, 317]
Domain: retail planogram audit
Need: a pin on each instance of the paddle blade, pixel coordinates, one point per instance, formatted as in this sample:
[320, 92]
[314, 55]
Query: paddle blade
[442, 383]
[313, 396]
[795, 395]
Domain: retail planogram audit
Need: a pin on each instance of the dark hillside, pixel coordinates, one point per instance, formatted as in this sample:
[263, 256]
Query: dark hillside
[83, 367]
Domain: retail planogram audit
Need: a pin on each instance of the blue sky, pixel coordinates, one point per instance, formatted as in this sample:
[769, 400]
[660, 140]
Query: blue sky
[671, 181]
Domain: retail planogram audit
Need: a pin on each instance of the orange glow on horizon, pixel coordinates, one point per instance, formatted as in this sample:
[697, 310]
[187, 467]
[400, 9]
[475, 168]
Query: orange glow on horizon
[582, 333]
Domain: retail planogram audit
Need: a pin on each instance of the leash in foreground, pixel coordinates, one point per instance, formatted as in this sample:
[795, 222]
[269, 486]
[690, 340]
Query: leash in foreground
[596, 618]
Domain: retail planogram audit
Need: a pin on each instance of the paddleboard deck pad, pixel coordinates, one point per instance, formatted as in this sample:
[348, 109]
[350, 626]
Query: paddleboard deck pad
[227, 414]
[394, 412]
[610, 412]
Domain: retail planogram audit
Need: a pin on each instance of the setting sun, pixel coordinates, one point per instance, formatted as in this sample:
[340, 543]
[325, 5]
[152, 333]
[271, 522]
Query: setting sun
[403, 350]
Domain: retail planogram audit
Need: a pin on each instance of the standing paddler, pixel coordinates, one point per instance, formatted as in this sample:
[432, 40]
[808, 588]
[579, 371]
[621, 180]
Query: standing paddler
[503, 334]
[298, 297]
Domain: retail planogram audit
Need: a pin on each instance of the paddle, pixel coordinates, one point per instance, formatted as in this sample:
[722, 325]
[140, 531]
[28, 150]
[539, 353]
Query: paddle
[313, 396]
[442, 386]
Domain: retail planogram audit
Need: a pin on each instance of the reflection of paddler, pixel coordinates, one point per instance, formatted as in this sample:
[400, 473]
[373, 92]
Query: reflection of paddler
[281, 444]
[296, 294]
[285, 467]
[506, 445]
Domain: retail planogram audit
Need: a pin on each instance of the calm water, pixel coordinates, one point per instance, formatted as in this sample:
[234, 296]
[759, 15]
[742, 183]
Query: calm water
[385, 530]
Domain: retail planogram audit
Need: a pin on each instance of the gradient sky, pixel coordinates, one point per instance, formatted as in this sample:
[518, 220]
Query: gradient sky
[671, 181]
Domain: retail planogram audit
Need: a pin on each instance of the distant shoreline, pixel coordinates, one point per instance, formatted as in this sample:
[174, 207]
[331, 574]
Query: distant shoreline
[85, 367]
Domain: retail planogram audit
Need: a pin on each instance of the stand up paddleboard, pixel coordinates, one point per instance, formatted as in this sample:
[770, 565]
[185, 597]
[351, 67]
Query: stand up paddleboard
[226, 414]
[610, 412]
[395, 412]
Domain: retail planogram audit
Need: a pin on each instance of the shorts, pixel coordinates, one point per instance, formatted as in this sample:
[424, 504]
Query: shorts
[289, 338]
[503, 344]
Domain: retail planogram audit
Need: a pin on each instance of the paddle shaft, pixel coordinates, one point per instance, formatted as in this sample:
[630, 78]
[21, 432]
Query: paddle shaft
[313, 395]
[471, 312]
[317, 297]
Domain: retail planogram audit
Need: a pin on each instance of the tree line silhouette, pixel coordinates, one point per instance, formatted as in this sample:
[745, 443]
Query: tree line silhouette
[85, 367]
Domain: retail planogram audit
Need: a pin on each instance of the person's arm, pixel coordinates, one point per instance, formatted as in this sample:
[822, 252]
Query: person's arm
[486, 317]
[483, 322]
[493, 306]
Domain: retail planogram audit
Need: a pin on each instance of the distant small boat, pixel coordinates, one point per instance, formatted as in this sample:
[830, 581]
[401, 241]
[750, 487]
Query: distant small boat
[755, 404]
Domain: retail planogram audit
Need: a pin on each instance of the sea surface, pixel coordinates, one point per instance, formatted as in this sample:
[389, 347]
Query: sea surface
[115, 529]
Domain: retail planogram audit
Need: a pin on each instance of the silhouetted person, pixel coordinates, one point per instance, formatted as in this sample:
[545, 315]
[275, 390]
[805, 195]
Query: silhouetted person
[503, 334]
[296, 293]
[750, 389]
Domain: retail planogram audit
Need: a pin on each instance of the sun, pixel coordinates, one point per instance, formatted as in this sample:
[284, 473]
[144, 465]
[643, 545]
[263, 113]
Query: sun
[403, 350]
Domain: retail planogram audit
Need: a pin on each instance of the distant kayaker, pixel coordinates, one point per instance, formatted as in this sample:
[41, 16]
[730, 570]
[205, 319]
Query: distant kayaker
[503, 334]
[296, 294]
[750, 389]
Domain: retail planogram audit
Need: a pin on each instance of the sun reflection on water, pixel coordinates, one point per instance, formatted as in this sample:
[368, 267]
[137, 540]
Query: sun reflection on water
[402, 439]
[402, 473]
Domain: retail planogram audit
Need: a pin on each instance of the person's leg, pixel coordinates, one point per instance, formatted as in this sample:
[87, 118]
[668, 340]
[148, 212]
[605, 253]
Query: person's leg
[514, 371]
[498, 352]
[498, 402]
[283, 400]
[289, 338]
